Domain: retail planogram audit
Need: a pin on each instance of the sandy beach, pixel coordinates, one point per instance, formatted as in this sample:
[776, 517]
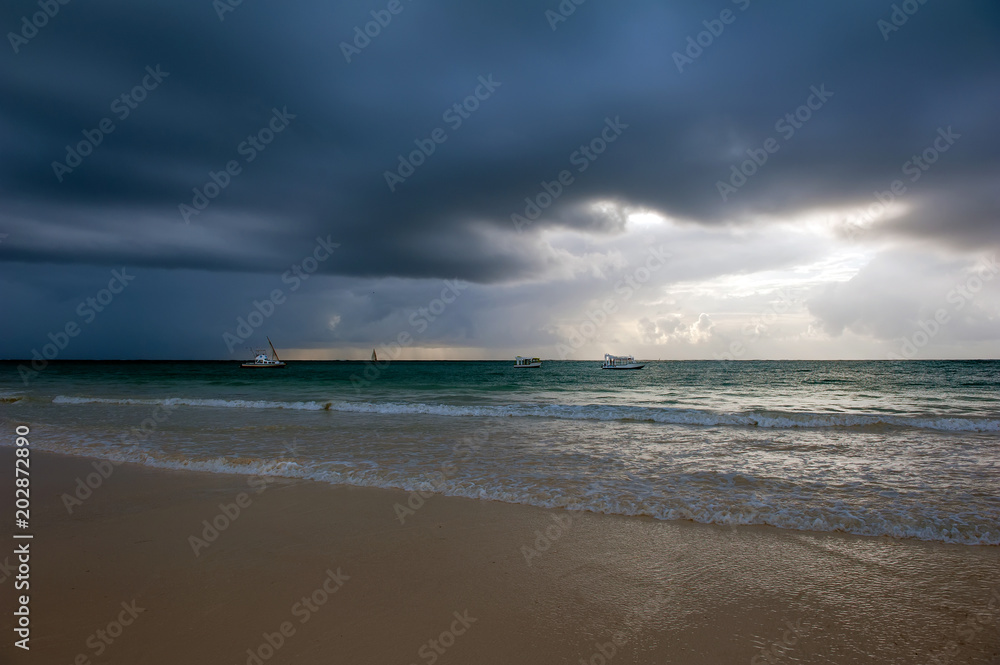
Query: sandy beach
[312, 573]
[518, 333]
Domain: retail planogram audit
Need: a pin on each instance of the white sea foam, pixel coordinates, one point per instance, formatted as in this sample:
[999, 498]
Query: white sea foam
[892, 460]
[688, 498]
[710, 507]
[599, 412]
[183, 401]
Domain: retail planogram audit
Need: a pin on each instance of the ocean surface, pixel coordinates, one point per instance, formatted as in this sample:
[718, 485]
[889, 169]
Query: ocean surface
[899, 449]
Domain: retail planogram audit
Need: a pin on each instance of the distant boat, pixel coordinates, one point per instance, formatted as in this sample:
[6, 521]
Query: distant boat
[527, 362]
[374, 357]
[263, 361]
[620, 362]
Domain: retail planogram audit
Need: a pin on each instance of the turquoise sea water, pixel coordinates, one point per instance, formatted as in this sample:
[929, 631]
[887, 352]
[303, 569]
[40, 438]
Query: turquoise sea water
[902, 449]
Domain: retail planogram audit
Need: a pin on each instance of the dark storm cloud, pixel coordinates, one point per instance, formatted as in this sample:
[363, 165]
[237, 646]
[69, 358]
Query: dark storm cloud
[324, 174]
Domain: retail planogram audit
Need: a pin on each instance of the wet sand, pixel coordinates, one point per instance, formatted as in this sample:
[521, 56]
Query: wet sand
[311, 573]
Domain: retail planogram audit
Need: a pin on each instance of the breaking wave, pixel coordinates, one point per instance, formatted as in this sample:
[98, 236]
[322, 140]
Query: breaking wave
[598, 412]
[689, 497]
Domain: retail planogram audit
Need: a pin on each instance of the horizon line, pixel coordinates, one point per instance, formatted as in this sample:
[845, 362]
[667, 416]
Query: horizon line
[475, 360]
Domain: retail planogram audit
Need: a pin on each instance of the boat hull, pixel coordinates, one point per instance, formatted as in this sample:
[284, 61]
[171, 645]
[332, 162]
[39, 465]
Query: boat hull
[278, 365]
[635, 366]
[529, 366]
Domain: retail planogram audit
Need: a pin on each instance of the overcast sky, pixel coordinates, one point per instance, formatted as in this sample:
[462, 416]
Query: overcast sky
[669, 180]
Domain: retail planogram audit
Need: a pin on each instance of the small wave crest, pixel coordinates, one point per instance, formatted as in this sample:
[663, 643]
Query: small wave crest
[719, 505]
[7, 397]
[598, 412]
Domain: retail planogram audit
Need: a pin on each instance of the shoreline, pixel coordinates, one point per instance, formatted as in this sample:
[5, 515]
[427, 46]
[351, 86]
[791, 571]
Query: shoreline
[202, 468]
[465, 580]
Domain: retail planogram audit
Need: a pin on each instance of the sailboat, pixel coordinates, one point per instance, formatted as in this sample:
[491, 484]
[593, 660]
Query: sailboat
[374, 357]
[262, 360]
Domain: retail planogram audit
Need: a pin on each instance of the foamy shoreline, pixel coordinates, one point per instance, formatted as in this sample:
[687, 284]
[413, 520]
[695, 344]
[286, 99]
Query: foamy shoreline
[721, 594]
[664, 415]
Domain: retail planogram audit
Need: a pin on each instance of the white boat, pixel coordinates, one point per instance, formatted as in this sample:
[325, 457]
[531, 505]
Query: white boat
[521, 361]
[264, 361]
[620, 362]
